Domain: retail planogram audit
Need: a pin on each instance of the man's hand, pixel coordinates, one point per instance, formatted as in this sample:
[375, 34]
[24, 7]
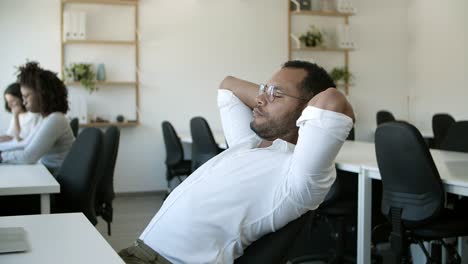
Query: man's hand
[332, 100]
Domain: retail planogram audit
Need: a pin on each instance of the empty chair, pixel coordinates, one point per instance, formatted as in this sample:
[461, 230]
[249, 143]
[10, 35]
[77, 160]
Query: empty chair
[176, 165]
[440, 126]
[78, 178]
[384, 116]
[413, 195]
[105, 170]
[204, 146]
[74, 124]
[456, 138]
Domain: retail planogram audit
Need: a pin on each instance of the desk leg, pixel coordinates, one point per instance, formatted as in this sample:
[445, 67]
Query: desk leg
[364, 228]
[45, 203]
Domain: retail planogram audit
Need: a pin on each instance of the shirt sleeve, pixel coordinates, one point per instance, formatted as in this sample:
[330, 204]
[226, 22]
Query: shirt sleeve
[49, 131]
[9, 132]
[235, 118]
[312, 171]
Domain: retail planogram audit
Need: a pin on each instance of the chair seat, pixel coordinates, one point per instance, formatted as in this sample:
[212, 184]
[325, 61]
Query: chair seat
[449, 224]
[183, 168]
[339, 208]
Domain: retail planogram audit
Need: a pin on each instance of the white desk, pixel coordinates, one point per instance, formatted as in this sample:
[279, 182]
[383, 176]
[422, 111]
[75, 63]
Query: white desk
[28, 179]
[59, 238]
[359, 157]
[185, 137]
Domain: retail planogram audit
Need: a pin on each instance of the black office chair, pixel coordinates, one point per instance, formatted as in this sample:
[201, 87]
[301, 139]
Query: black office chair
[440, 126]
[74, 124]
[456, 138]
[78, 178]
[204, 146]
[338, 207]
[413, 195]
[384, 116]
[351, 135]
[274, 247]
[176, 165]
[105, 170]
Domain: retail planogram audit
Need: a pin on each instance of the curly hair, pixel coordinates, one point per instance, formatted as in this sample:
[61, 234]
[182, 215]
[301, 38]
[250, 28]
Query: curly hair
[53, 93]
[13, 89]
[317, 79]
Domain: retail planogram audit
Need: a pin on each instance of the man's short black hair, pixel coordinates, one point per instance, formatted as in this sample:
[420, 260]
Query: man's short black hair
[316, 80]
[52, 91]
[13, 89]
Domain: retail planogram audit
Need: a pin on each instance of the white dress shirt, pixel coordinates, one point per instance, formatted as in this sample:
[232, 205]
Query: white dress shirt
[246, 192]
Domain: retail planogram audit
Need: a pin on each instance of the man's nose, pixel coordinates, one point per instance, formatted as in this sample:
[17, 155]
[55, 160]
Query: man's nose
[261, 99]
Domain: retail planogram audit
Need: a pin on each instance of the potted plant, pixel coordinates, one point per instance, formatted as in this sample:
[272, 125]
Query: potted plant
[312, 38]
[341, 75]
[83, 73]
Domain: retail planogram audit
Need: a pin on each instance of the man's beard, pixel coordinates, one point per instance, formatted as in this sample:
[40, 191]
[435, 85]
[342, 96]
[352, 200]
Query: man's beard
[274, 128]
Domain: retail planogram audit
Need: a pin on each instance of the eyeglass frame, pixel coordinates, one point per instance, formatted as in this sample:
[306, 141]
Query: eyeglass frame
[271, 92]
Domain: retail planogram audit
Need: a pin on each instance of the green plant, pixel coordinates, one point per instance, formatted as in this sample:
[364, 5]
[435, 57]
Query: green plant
[83, 73]
[341, 74]
[312, 37]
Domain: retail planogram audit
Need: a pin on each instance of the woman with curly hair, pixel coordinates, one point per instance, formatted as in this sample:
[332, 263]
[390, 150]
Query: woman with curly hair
[43, 93]
[22, 123]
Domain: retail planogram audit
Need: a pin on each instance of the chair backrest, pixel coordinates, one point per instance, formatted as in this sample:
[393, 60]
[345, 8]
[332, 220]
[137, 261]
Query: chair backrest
[440, 126]
[384, 116]
[74, 124]
[174, 149]
[204, 146]
[273, 247]
[410, 178]
[351, 134]
[77, 176]
[456, 138]
[106, 166]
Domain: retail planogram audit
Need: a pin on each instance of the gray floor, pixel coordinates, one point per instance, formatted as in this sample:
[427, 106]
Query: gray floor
[132, 213]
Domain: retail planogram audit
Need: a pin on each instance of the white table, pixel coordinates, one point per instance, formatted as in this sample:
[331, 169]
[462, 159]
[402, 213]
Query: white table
[185, 137]
[28, 179]
[59, 238]
[359, 157]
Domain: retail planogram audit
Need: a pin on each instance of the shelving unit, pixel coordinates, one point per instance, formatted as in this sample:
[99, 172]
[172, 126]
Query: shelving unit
[344, 16]
[88, 44]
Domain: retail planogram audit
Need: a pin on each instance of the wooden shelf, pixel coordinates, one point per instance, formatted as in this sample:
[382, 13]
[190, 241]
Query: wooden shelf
[106, 124]
[103, 83]
[321, 13]
[99, 42]
[321, 49]
[103, 2]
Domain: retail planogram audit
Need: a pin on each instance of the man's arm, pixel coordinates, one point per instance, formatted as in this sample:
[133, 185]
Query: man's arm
[332, 100]
[244, 90]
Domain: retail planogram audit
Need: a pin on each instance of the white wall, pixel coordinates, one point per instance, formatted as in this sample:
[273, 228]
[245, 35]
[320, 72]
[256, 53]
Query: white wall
[188, 46]
[438, 60]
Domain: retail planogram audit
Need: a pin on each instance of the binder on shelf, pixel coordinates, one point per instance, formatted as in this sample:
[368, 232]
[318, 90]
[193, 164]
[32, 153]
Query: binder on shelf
[82, 25]
[344, 37]
[345, 6]
[66, 26]
[75, 21]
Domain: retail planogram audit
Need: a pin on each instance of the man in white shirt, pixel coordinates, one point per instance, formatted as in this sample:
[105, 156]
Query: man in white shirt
[283, 138]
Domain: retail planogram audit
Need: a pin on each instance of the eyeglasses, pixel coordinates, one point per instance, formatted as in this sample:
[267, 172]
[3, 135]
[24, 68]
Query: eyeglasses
[271, 92]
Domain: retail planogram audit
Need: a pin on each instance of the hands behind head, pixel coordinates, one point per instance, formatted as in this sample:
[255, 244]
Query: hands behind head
[332, 100]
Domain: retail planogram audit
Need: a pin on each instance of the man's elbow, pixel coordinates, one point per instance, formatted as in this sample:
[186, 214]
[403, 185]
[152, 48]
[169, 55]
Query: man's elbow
[333, 100]
[225, 83]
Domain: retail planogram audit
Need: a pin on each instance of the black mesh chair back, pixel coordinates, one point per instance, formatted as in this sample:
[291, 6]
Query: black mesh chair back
[77, 176]
[105, 170]
[440, 126]
[410, 178]
[204, 146]
[351, 135]
[384, 117]
[456, 138]
[74, 124]
[274, 247]
[174, 150]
